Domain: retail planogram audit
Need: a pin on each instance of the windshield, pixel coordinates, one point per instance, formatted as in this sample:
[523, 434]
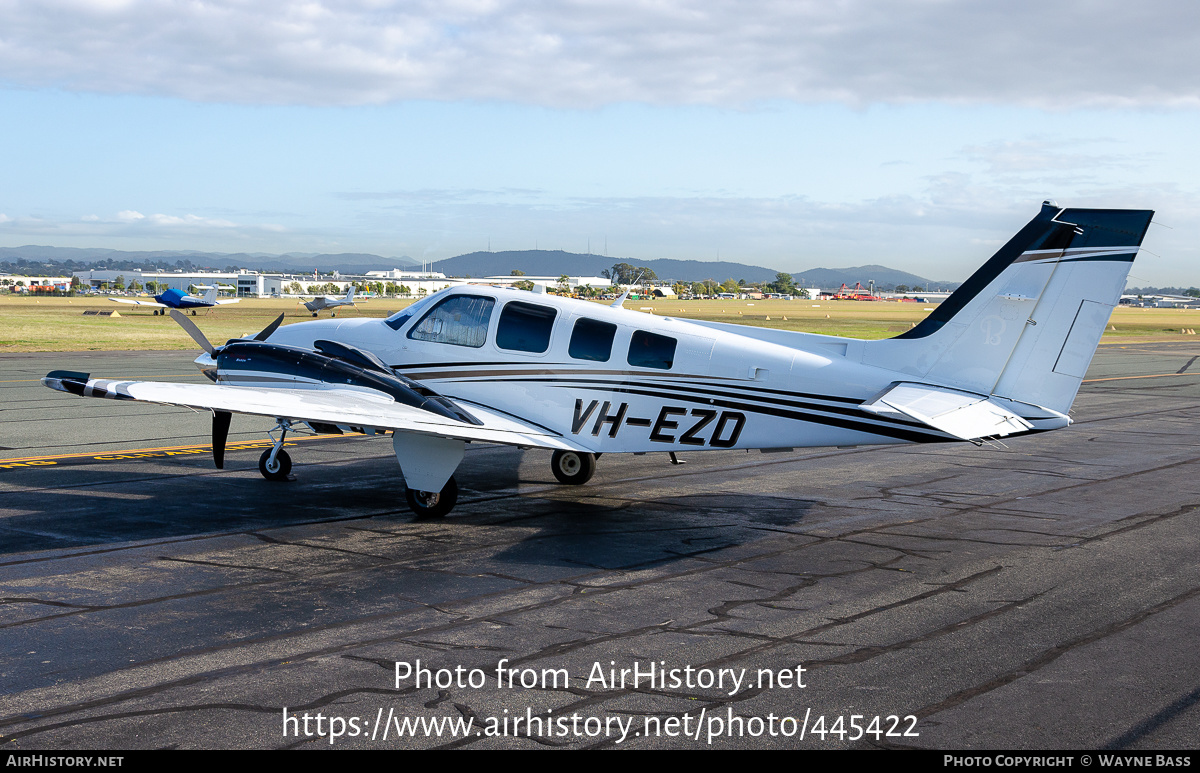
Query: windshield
[397, 320]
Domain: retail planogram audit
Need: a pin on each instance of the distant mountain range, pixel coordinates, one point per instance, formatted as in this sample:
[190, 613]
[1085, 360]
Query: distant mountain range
[883, 277]
[39, 259]
[557, 262]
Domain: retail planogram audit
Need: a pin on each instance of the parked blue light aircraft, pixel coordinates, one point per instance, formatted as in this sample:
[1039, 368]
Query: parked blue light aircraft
[1003, 355]
[178, 299]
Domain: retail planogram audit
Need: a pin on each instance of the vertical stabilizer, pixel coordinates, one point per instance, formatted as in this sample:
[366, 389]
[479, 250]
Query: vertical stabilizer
[1026, 324]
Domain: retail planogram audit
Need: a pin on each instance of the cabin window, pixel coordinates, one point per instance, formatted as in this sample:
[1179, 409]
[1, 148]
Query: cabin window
[525, 327]
[592, 340]
[461, 320]
[650, 350]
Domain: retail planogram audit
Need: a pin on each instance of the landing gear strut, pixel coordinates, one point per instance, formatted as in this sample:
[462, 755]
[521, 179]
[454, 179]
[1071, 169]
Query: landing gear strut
[573, 467]
[429, 504]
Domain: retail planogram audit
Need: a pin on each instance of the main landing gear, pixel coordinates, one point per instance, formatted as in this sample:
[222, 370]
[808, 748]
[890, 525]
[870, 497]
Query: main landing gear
[429, 504]
[573, 467]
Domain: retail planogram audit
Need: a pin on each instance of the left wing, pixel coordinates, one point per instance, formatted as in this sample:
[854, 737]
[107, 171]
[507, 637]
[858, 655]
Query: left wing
[353, 407]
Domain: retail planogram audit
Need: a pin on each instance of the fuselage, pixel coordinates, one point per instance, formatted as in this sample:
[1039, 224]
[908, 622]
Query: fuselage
[320, 304]
[613, 380]
[177, 299]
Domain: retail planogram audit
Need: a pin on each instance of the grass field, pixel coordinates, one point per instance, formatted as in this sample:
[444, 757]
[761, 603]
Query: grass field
[58, 324]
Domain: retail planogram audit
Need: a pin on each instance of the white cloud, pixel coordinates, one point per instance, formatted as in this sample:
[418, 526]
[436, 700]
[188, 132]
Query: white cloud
[191, 220]
[590, 52]
[165, 221]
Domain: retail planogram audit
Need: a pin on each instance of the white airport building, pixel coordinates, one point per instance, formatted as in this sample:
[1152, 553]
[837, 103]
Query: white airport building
[253, 284]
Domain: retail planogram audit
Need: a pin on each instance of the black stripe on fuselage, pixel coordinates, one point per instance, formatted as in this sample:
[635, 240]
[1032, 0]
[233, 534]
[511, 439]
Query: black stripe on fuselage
[623, 385]
[832, 421]
[613, 385]
[889, 427]
[556, 371]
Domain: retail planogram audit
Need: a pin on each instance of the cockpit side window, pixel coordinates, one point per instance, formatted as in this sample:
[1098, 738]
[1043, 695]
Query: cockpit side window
[650, 350]
[592, 340]
[461, 320]
[525, 327]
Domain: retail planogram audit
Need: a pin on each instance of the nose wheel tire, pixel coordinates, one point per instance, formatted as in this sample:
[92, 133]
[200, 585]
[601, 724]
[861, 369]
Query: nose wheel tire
[277, 471]
[429, 504]
[573, 467]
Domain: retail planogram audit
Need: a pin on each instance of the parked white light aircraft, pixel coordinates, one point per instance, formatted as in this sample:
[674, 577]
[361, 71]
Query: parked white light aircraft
[1003, 355]
[322, 302]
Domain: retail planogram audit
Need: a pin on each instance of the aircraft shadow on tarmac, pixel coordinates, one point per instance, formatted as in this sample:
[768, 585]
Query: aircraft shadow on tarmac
[587, 526]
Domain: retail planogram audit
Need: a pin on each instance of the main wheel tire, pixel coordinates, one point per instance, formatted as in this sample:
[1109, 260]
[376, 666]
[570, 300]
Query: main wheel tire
[278, 471]
[427, 504]
[573, 467]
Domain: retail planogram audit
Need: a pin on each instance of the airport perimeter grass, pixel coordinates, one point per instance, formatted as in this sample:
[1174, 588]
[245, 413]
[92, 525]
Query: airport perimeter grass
[59, 324]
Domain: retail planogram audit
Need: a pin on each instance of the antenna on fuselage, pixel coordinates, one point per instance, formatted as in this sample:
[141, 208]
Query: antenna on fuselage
[618, 303]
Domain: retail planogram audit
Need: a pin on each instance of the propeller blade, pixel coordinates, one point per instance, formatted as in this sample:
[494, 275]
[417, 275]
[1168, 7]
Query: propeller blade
[192, 330]
[220, 433]
[269, 329]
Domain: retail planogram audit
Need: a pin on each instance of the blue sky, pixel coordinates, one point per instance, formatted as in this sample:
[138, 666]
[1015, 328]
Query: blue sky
[915, 134]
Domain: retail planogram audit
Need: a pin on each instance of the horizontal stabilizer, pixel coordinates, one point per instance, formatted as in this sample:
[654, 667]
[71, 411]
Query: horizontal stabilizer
[964, 415]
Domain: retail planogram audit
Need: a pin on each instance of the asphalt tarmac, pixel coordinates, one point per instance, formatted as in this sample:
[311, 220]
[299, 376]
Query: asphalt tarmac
[1043, 595]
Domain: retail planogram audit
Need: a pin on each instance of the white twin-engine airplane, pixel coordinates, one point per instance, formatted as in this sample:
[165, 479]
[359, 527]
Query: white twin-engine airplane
[1004, 355]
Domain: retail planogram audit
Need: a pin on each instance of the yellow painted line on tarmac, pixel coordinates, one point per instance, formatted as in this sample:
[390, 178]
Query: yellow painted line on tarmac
[146, 453]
